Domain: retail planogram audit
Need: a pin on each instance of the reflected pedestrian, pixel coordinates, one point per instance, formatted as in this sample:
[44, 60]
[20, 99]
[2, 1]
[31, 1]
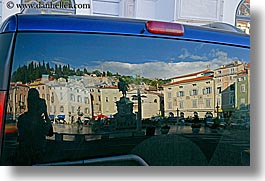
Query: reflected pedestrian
[196, 123]
[33, 127]
[79, 124]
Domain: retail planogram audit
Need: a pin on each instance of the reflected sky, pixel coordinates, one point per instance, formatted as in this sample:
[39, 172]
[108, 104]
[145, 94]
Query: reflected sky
[128, 55]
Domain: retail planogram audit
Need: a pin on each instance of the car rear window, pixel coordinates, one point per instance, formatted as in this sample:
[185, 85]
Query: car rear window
[104, 94]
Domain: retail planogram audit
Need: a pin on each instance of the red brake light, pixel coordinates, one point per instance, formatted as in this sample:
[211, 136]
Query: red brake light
[165, 28]
[2, 107]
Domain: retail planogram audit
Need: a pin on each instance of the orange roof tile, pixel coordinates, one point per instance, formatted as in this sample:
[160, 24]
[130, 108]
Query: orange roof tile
[248, 65]
[190, 80]
[19, 84]
[192, 74]
[109, 87]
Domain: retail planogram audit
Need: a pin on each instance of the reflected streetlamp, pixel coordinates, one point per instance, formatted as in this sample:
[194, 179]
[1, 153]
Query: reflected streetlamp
[139, 113]
[217, 110]
[14, 100]
[177, 116]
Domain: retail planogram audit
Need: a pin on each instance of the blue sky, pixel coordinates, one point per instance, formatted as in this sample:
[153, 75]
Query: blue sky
[154, 58]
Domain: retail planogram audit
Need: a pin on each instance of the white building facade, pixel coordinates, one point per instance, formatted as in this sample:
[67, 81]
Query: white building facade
[69, 99]
[188, 11]
[150, 103]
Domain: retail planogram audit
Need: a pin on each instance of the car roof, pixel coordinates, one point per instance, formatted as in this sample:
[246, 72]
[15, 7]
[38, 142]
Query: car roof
[110, 25]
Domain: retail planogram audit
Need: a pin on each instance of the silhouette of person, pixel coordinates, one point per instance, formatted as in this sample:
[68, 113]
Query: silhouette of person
[196, 121]
[33, 126]
[196, 118]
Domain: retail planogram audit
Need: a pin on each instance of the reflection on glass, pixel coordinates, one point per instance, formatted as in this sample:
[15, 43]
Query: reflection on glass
[121, 88]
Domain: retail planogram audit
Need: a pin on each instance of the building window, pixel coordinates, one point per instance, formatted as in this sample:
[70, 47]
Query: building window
[232, 87]
[73, 109]
[194, 103]
[155, 101]
[218, 101]
[180, 94]
[79, 99]
[232, 71]
[243, 88]
[61, 96]
[169, 95]
[86, 110]
[243, 16]
[194, 92]
[219, 90]
[52, 98]
[61, 109]
[242, 101]
[207, 90]
[208, 103]
[115, 99]
[129, 8]
[86, 100]
[72, 97]
[169, 105]
[107, 99]
[181, 104]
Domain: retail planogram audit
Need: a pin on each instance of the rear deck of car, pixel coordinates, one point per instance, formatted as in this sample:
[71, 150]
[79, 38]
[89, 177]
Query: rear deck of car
[93, 24]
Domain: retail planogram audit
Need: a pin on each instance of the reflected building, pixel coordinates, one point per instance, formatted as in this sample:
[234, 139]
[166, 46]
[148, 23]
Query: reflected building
[190, 93]
[225, 79]
[44, 91]
[242, 94]
[151, 103]
[17, 100]
[243, 16]
[109, 95]
[69, 99]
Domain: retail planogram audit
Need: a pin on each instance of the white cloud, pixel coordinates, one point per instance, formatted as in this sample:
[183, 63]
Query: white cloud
[162, 69]
[186, 54]
[159, 69]
[196, 57]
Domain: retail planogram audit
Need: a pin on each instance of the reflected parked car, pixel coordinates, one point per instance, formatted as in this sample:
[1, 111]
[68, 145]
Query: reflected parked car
[239, 124]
